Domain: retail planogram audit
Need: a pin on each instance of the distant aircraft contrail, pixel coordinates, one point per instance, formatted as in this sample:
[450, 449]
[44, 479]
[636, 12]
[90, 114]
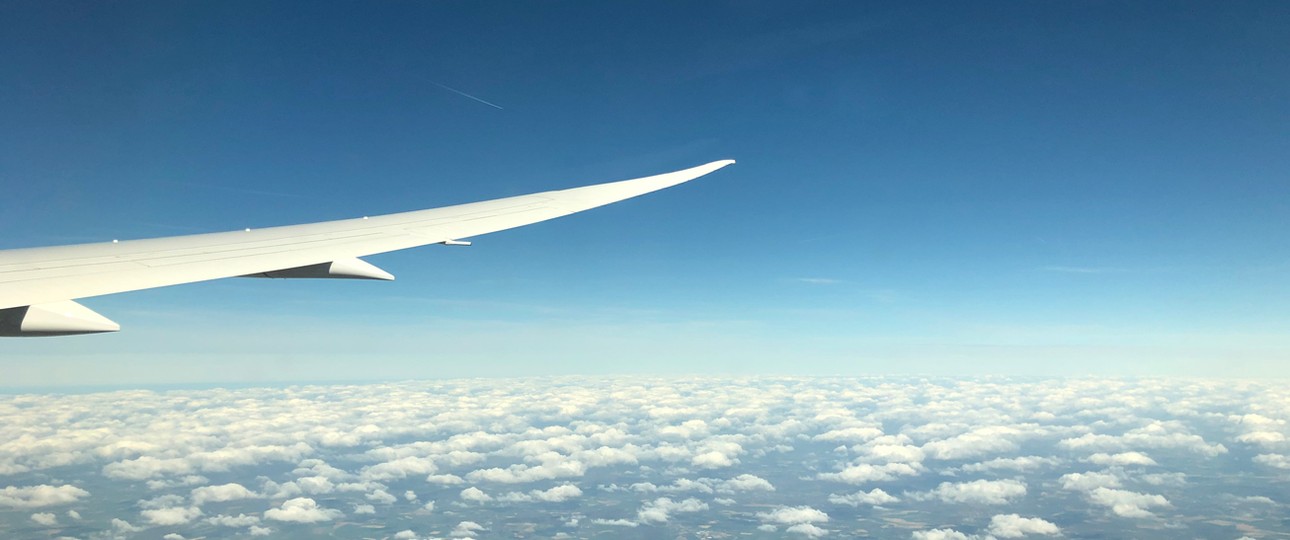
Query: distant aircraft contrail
[460, 93]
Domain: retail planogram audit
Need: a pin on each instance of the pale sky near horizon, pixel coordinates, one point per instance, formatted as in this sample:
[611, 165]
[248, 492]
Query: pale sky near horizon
[1011, 188]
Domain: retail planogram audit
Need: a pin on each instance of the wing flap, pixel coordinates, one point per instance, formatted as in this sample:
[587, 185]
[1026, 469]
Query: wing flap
[63, 318]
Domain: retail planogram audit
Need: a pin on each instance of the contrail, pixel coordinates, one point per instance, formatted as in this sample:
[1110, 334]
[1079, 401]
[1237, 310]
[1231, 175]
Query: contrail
[460, 93]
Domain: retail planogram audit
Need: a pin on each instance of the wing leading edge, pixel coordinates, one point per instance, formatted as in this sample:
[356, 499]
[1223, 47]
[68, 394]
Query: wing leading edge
[39, 278]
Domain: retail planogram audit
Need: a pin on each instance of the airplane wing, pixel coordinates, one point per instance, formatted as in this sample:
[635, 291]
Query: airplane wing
[37, 285]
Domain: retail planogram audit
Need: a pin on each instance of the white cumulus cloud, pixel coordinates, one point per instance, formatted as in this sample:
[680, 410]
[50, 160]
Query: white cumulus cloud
[1015, 526]
[745, 482]
[467, 529]
[976, 492]
[793, 514]
[660, 510]
[176, 515]
[1122, 459]
[45, 519]
[1127, 503]
[40, 496]
[873, 497]
[221, 493]
[302, 510]
[474, 494]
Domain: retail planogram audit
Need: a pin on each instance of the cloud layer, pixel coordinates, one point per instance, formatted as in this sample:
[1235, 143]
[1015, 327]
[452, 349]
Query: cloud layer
[804, 457]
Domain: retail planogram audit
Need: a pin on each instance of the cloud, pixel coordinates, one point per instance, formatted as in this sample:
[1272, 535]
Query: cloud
[850, 434]
[793, 514]
[807, 529]
[521, 446]
[1156, 434]
[146, 467]
[660, 510]
[226, 458]
[123, 526]
[519, 474]
[891, 453]
[219, 460]
[186, 480]
[1127, 503]
[40, 496]
[1026, 463]
[321, 469]
[474, 494]
[399, 469]
[1257, 421]
[302, 510]
[1165, 479]
[240, 520]
[874, 497]
[605, 456]
[1271, 460]
[680, 485]
[745, 482]
[1015, 526]
[221, 493]
[176, 515]
[1088, 481]
[1123, 459]
[1262, 438]
[315, 485]
[866, 472]
[616, 522]
[976, 492]
[560, 493]
[382, 497]
[467, 529]
[446, 479]
[162, 501]
[978, 442]
[45, 519]
[941, 534]
[712, 460]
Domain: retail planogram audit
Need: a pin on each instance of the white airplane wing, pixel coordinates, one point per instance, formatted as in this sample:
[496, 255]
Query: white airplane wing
[37, 285]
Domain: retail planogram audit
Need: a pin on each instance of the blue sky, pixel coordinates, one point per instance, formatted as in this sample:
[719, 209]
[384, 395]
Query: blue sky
[1022, 188]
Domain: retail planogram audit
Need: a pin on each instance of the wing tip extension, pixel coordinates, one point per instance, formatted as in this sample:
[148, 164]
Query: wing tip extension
[702, 170]
[715, 165]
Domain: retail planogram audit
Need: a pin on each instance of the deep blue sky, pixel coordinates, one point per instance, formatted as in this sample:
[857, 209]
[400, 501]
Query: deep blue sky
[1028, 187]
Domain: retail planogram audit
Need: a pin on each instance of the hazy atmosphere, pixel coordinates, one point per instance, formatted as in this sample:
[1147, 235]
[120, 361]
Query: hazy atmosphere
[982, 271]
